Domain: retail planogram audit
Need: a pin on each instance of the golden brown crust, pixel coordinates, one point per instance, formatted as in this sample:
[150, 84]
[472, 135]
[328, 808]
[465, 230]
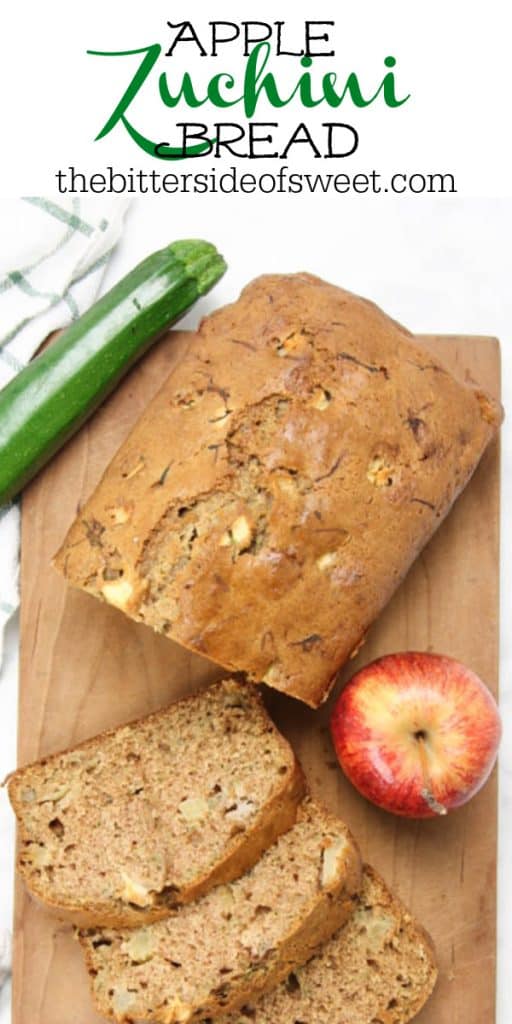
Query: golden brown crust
[275, 816]
[279, 486]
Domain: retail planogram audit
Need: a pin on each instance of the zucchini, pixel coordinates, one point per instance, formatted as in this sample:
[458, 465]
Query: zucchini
[53, 396]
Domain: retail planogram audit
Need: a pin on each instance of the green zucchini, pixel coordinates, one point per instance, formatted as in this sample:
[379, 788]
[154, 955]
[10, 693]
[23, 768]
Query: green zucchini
[53, 396]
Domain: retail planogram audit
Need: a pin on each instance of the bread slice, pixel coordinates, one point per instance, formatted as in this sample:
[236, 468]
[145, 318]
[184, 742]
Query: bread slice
[277, 489]
[379, 969]
[240, 939]
[126, 826]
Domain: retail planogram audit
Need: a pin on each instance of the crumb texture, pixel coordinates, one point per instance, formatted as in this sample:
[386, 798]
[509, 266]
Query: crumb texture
[379, 969]
[279, 486]
[238, 940]
[126, 826]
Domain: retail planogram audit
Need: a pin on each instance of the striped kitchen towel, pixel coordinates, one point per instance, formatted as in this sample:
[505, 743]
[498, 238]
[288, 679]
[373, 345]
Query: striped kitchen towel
[52, 260]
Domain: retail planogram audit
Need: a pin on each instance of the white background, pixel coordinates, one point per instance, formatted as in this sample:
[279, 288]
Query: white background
[438, 264]
[452, 57]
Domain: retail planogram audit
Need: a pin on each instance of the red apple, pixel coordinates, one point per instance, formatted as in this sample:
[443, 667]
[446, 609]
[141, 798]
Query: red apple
[417, 734]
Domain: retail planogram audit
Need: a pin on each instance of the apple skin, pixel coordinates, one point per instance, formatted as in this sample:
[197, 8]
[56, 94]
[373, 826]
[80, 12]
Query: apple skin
[417, 734]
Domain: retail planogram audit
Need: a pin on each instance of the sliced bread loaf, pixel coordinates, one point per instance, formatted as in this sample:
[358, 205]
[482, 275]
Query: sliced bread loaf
[379, 969]
[128, 825]
[240, 939]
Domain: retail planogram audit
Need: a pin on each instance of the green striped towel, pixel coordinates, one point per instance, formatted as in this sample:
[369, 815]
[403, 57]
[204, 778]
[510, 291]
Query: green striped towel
[52, 261]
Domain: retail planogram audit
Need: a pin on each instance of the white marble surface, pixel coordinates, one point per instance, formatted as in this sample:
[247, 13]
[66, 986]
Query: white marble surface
[439, 265]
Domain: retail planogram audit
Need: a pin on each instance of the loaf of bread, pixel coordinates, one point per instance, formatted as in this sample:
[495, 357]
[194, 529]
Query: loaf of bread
[379, 969]
[240, 939]
[128, 825]
[277, 489]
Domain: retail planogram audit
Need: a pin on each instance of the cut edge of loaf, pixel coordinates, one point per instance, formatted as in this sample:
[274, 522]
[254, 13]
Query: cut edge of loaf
[244, 849]
[330, 906]
[299, 998]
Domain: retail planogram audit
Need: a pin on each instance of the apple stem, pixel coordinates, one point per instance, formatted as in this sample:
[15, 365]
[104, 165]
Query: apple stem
[426, 792]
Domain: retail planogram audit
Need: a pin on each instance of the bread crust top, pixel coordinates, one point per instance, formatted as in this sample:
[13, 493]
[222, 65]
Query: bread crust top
[277, 489]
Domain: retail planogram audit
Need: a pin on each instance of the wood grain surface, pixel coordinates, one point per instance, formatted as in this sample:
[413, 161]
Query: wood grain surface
[85, 667]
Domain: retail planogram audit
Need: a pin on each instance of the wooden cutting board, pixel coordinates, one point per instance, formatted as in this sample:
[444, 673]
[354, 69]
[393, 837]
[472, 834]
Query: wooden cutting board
[85, 667]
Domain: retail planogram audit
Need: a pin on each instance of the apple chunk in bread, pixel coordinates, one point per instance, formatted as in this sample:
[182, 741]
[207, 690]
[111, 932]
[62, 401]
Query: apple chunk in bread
[417, 734]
